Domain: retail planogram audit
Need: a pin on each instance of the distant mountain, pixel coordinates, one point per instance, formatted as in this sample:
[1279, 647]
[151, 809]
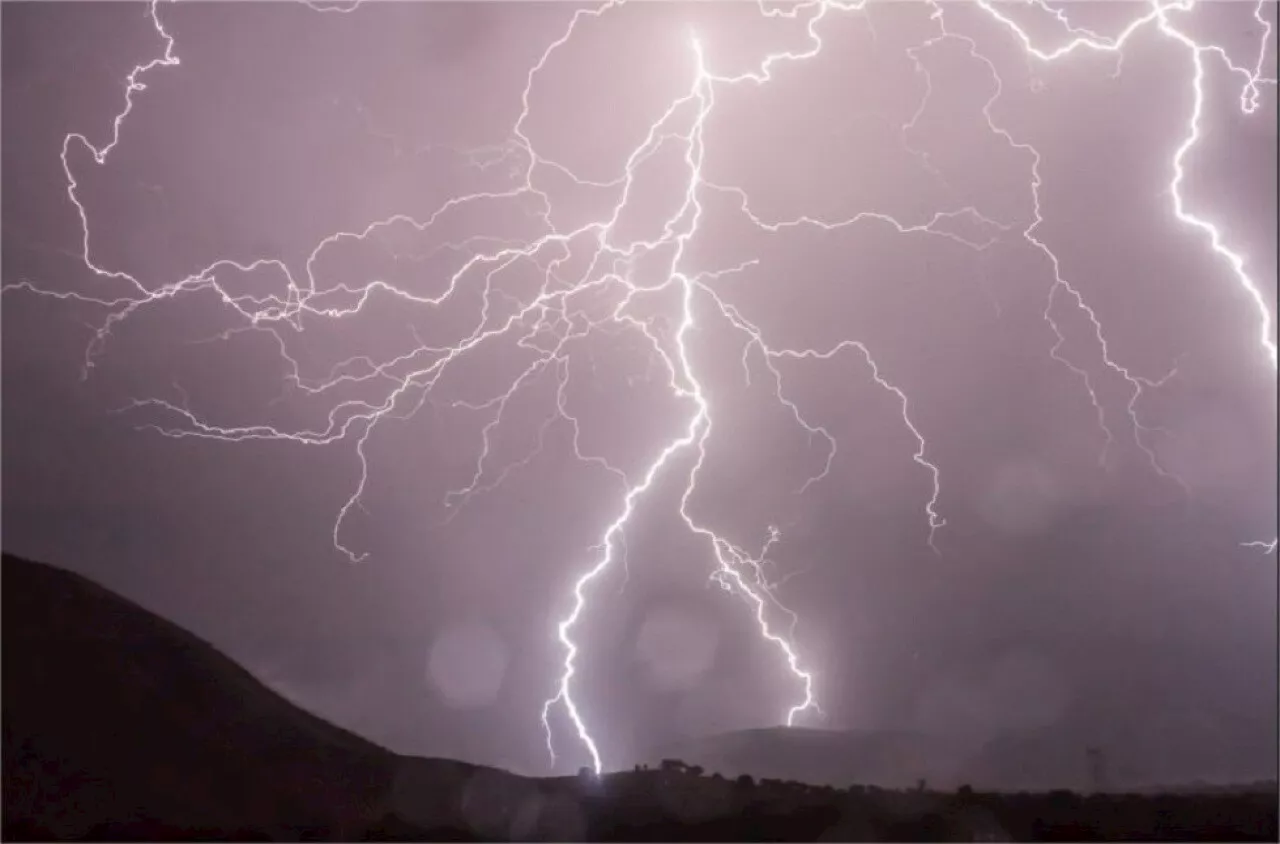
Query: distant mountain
[1039, 760]
[1031, 760]
[890, 759]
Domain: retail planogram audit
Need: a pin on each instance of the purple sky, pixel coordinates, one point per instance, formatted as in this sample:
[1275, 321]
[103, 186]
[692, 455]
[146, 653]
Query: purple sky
[1096, 599]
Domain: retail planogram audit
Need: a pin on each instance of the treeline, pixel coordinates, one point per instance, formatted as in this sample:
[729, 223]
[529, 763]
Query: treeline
[680, 804]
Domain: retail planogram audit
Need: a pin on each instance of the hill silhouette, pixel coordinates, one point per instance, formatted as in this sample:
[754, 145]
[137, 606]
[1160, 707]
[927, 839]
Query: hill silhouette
[1042, 759]
[114, 716]
[119, 725]
[889, 758]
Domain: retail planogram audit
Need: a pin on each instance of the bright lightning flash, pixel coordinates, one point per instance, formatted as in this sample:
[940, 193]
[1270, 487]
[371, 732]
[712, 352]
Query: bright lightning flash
[551, 324]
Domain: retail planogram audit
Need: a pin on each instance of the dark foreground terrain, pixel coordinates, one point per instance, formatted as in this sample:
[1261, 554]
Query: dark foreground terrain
[121, 726]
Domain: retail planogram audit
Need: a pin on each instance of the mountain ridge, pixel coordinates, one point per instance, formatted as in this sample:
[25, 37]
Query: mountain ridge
[128, 704]
[120, 725]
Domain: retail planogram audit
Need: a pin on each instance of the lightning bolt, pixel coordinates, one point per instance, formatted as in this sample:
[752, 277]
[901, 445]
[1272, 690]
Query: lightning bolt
[1157, 15]
[548, 329]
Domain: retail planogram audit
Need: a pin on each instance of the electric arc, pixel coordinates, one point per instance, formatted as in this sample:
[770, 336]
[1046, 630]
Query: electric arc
[594, 262]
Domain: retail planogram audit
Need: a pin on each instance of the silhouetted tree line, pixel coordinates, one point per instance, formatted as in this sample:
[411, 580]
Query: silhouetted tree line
[677, 802]
[783, 810]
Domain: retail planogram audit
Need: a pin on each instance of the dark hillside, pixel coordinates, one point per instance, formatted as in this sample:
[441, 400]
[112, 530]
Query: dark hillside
[113, 714]
[120, 726]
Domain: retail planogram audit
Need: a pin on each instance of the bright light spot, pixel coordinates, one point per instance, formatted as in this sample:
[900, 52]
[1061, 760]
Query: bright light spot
[677, 646]
[467, 665]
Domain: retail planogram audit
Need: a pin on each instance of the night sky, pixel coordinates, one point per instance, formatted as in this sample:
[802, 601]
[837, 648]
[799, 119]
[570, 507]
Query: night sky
[1101, 591]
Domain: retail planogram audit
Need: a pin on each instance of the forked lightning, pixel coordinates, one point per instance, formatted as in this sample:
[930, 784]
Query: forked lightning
[551, 324]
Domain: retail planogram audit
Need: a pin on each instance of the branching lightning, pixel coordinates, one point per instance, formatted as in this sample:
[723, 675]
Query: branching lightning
[550, 327]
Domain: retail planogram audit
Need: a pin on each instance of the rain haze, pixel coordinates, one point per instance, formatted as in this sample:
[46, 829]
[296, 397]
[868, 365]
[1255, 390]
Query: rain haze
[371, 468]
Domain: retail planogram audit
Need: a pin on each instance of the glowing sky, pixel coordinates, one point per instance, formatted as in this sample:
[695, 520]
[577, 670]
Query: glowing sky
[906, 337]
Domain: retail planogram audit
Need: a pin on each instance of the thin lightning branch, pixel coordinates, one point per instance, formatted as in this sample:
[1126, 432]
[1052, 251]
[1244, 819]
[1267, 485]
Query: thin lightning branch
[1158, 15]
[133, 85]
[935, 521]
[548, 331]
[1060, 286]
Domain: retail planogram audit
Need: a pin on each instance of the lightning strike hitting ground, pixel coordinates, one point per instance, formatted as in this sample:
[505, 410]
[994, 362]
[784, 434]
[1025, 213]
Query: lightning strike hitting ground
[551, 325]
